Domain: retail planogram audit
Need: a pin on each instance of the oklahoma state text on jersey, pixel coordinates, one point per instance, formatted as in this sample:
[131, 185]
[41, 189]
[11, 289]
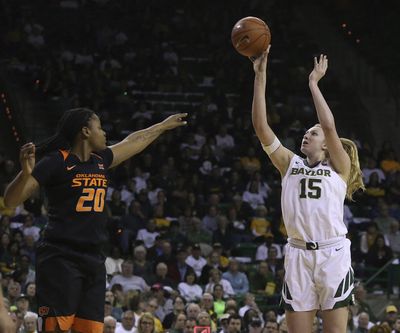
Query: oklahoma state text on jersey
[76, 192]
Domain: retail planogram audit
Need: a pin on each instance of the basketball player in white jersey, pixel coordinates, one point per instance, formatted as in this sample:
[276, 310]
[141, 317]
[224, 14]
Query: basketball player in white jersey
[318, 273]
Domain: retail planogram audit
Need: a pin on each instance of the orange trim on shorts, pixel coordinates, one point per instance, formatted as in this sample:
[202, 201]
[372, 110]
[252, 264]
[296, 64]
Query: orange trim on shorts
[62, 322]
[87, 326]
[64, 154]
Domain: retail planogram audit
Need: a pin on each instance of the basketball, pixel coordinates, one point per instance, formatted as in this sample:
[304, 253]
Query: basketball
[250, 36]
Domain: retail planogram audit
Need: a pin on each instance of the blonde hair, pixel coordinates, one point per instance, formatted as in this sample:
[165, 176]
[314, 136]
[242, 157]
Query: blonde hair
[149, 316]
[355, 181]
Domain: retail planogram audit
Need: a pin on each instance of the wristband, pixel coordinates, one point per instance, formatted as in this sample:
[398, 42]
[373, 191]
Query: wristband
[272, 147]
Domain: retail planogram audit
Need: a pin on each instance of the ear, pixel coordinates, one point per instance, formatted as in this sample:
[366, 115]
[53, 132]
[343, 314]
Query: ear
[324, 146]
[85, 132]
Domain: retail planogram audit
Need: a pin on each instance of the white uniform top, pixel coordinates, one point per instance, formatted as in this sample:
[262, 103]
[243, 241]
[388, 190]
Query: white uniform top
[312, 201]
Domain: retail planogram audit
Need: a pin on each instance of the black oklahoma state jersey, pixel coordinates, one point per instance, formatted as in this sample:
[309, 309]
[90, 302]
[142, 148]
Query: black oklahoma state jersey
[76, 193]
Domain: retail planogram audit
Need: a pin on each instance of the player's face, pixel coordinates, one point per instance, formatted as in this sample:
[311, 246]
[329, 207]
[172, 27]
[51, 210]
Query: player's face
[313, 141]
[97, 136]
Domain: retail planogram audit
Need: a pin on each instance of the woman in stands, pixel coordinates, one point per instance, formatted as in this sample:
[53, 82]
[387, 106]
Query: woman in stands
[70, 272]
[318, 265]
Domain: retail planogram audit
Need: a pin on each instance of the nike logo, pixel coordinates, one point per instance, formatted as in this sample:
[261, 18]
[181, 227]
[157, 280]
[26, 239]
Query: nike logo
[339, 248]
[71, 167]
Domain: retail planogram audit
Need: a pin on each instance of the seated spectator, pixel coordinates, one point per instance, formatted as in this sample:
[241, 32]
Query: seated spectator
[262, 250]
[361, 304]
[384, 219]
[204, 320]
[224, 233]
[110, 324]
[210, 220]
[116, 205]
[190, 323]
[196, 234]
[253, 196]
[131, 223]
[148, 235]
[260, 225]
[161, 276]
[115, 311]
[379, 253]
[393, 237]
[29, 229]
[368, 238]
[274, 264]
[219, 302]
[250, 162]
[249, 303]
[29, 323]
[262, 279]
[371, 167]
[238, 280]
[145, 319]
[224, 140]
[127, 324]
[390, 162]
[216, 278]
[127, 280]
[189, 289]
[207, 305]
[114, 261]
[141, 266]
[179, 324]
[374, 189]
[195, 260]
[192, 311]
[213, 261]
[178, 307]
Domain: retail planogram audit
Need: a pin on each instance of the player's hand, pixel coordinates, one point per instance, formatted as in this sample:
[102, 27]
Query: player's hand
[6, 323]
[320, 67]
[27, 157]
[260, 63]
[174, 121]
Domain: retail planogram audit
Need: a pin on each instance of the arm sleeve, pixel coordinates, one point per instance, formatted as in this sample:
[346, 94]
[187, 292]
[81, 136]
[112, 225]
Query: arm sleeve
[47, 167]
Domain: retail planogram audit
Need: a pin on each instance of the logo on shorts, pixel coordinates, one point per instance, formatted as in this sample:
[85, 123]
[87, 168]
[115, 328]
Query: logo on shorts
[43, 311]
[202, 329]
[339, 249]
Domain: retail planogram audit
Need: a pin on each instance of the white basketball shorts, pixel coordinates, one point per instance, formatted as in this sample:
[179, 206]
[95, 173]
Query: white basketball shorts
[320, 277]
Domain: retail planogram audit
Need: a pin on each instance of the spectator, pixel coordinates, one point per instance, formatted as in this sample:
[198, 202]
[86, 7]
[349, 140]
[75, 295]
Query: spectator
[148, 235]
[238, 280]
[219, 303]
[178, 307]
[151, 308]
[142, 267]
[192, 311]
[249, 303]
[379, 253]
[234, 324]
[127, 280]
[272, 327]
[190, 323]
[161, 276]
[114, 261]
[110, 324]
[178, 324]
[189, 289]
[30, 323]
[393, 237]
[165, 304]
[253, 196]
[262, 250]
[216, 278]
[195, 260]
[213, 261]
[127, 323]
[363, 323]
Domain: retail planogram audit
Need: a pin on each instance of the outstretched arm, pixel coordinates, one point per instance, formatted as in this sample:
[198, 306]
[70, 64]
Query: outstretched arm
[135, 142]
[338, 156]
[23, 185]
[281, 156]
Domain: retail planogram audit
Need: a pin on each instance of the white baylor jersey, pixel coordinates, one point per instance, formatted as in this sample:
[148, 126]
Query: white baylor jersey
[312, 201]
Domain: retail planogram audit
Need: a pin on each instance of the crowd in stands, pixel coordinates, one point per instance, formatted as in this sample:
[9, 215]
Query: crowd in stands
[196, 236]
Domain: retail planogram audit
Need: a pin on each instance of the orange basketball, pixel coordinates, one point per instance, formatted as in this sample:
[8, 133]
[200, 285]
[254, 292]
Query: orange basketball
[250, 36]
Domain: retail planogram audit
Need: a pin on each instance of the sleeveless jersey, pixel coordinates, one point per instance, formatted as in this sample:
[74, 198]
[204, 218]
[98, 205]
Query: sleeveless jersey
[76, 193]
[312, 201]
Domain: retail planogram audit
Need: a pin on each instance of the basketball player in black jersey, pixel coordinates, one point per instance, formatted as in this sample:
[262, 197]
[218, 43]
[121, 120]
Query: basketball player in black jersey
[70, 272]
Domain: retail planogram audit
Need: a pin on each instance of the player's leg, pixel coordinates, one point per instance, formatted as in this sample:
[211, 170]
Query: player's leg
[335, 321]
[89, 317]
[58, 286]
[335, 280]
[299, 295]
[300, 321]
